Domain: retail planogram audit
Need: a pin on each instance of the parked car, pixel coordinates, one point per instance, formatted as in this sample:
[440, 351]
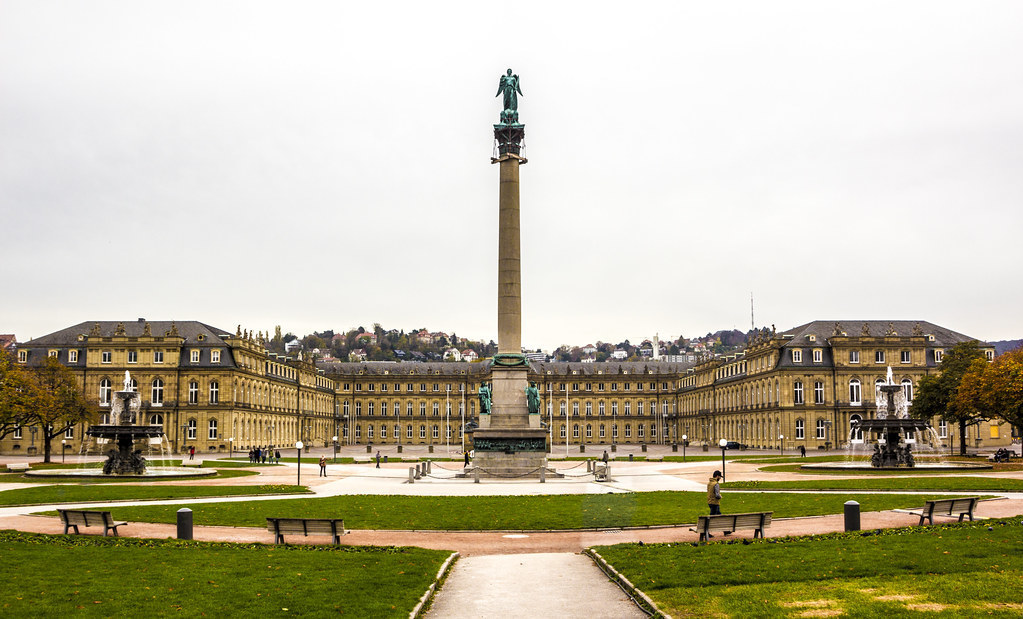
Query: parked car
[734, 445]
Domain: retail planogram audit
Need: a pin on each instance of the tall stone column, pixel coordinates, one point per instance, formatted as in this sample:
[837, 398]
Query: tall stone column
[509, 272]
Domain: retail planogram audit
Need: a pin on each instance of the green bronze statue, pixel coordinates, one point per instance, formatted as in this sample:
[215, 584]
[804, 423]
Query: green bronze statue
[509, 86]
[533, 399]
[484, 398]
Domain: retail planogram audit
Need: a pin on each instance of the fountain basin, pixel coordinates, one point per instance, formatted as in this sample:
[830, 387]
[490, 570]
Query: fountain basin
[919, 466]
[151, 473]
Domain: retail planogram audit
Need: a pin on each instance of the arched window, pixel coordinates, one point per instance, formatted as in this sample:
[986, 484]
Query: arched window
[422, 431]
[562, 431]
[193, 426]
[408, 431]
[800, 429]
[797, 392]
[601, 431]
[600, 408]
[855, 395]
[907, 389]
[214, 392]
[369, 431]
[157, 392]
[104, 392]
[589, 430]
[575, 431]
[435, 431]
[134, 386]
[857, 434]
[156, 420]
[193, 392]
[213, 429]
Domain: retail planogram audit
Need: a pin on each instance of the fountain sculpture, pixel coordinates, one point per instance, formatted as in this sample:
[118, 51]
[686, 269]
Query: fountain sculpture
[891, 420]
[123, 428]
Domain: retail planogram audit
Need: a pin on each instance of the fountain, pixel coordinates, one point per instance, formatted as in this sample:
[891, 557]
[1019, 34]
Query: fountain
[890, 422]
[124, 429]
[124, 408]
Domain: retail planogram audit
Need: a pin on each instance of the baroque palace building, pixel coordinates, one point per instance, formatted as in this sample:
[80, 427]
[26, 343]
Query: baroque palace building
[220, 392]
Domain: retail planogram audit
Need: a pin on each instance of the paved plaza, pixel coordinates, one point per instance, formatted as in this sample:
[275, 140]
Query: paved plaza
[503, 560]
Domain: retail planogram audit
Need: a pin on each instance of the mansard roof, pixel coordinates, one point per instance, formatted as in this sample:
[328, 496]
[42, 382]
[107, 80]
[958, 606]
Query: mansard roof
[824, 330]
[403, 368]
[190, 330]
[612, 368]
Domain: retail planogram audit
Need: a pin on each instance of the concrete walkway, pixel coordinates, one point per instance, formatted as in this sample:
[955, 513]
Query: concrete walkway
[558, 585]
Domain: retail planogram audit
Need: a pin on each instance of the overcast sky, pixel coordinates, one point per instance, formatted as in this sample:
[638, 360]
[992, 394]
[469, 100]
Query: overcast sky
[325, 165]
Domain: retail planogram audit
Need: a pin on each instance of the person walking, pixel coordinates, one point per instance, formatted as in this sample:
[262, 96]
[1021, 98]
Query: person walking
[323, 466]
[277, 456]
[802, 451]
[714, 493]
[714, 497]
[466, 454]
[378, 459]
[191, 453]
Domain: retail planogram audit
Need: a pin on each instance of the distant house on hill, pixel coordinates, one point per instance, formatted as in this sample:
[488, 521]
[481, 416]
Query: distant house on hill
[469, 355]
[7, 341]
[452, 354]
[293, 345]
[589, 349]
[620, 354]
[367, 338]
[424, 337]
[359, 354]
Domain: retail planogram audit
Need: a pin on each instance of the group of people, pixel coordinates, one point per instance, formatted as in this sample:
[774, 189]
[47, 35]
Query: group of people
[260, 455]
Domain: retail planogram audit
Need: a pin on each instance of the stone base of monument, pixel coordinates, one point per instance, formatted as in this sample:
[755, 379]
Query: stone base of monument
[510, 453]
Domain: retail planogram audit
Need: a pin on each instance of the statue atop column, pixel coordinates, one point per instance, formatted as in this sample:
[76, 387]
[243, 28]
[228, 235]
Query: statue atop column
[508, 85]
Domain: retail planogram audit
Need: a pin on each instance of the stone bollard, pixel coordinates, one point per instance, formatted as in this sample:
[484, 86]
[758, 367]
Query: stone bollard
[184, 523]
[429, 467]
[614, 447]
[643, 448]
[476, 475]
[674, 447]
[430, 448]
[589, 466]
[399, 448]
[630, 457]
[852, 516]
[411, 474]
[385, 459]
[369, 449]
[582, 449]
[419, 471]
[543, 475]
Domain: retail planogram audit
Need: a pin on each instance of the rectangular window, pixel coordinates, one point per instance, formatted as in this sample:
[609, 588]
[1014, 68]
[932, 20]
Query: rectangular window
[194, 358]
[436, 409]
[214, 356]
[105, 356]
[371, 410]
[17, 433]
[214, 393]
[133, 356]
[942, 429]
[821, 429]
[800, 430]
[157, 356]
[589, 409]
[23, 356]
[989, 355]
[422, 431]
[628, 408]
[575, 409]
[193, 428]
[904, 356]
[854, 356]
[797, 392]
[436, 387]
[818, 392]
[938, 354]
[52, 354]
[818, 355]
[797, 355]
[628, 430]
[213, 429]
[70, 432]
[369, 431]
[878, 356]
[855, 397]
[193, 393]
[422, 409]
[72, 356]
[640, 430]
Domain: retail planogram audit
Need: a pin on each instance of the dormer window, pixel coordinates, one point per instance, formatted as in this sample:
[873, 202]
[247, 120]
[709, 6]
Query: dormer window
[22, 356]
[818, 355]
[194, 355]
[214, 356]
[797, 355]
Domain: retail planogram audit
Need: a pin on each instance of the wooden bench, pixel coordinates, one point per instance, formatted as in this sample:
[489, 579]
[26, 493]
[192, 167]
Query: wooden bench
[757, 521]
[961, 506]
[15, 467]
[72, 518]
[334, 527]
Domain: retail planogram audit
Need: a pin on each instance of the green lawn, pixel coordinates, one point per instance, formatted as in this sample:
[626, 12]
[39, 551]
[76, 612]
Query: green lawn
[954, 570]
[40, 495]
[59, 576]
[936, 484]
[513, 512]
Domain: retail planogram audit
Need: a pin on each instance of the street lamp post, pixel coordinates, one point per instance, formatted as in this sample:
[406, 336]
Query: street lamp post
[447, 419]
[781, 444]
[723, 443]
[335, 448]
[685, 439]
[184, 436]
[63, 446]
[298, 447]
[230, 442]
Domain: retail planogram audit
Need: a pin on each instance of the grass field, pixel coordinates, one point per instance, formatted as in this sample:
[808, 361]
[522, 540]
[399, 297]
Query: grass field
[955, 570]
[512, 512]
[62, 493]
[936, 484]
[123, 577]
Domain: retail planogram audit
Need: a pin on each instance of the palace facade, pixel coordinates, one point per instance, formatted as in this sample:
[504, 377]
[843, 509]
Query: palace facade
[219, 391]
